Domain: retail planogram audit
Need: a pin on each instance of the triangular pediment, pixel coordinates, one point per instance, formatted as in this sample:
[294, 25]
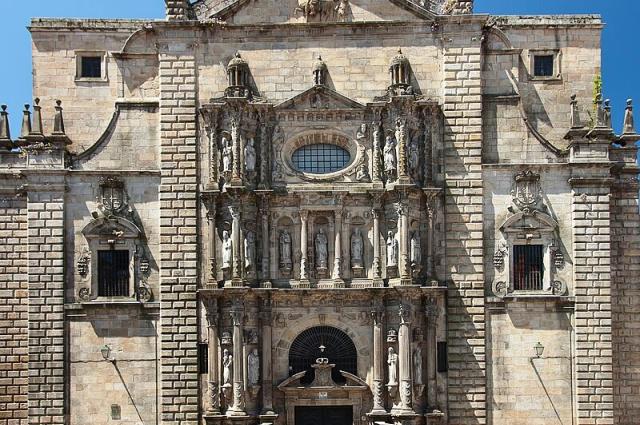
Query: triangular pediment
[308, 11]
[319, 98]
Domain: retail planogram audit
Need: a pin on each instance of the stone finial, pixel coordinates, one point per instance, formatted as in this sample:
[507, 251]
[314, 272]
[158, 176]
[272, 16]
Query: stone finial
[607, 113]
[575, 115]
[600, 119]
[177, 10]
[26, 122]
[58, 121]
[319, 72]
[37, 129]
[5, 132]
[629, 126]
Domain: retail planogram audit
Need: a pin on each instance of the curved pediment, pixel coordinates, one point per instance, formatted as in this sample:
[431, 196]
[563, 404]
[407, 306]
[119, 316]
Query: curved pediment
[116, 227]
[533, 220]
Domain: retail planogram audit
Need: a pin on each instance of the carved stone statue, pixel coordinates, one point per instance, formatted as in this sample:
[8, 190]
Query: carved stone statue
[341, 10]
[357, 248]
[253, 367]
[390, 163]
[414, 159]
[250, 157]
[362, 174]
[416, 250]
[361, 135]
[392, 361]
[227, 154]
[417, 365]
[249, 249]
[226, 250]
[285, 250]
[227, 367]
[392, 250]
[321, 250]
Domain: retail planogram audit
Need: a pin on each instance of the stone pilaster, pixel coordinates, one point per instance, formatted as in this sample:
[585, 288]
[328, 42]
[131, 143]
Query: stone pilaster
[236, 232]
[463, 230]
[45, 209]
[404, 262]
[304, 257]
[178, 235]
[267, 364]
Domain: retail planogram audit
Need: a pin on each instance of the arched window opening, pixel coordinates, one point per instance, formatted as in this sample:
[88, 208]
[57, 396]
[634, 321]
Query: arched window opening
[323, 342]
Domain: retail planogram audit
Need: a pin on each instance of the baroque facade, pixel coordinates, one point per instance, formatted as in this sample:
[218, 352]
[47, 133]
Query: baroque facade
[319, 212]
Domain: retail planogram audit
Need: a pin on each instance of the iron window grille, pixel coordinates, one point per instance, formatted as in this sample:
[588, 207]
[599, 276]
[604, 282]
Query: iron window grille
[113, 273]
[203, 357]
[321, 158]
[323, 342]
[528, 267]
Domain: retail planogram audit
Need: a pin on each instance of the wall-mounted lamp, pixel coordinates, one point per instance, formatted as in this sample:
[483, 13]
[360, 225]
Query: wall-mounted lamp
[539, 349]
[105, 350]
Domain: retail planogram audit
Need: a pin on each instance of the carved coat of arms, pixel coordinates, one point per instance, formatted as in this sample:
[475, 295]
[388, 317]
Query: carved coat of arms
[112, 195]
[527, 193]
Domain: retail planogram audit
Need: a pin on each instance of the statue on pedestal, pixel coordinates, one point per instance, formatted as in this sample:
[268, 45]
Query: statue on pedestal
[227, 367]
[227, 154]
[285, 250]
[392, 362]
[390, 163]
[392, 250]
[249, 249]
[253, 367]
[226, 250]
[357, 248]
[321, 250]
[250, 157]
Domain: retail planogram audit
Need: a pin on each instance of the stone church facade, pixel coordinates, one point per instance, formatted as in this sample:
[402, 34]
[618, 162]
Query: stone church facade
[319, 212]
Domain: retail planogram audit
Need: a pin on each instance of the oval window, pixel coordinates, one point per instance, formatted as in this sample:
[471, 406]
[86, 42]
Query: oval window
[321, 158]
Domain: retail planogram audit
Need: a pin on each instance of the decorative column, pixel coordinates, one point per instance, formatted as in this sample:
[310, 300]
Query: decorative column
[211, 129]
[213, 348]
[405, 274]
[267, 364]
[377, 277]
[401, 139]
[337, 258]
[266, 238]
[265, 161]
[376, 166]
[236, 277]
[346, 250]
[429, 120]
[377, 314]
[304, 216]
[237, 317]
[404, 359]
[211, 221]
[431, 313]
[237, 149]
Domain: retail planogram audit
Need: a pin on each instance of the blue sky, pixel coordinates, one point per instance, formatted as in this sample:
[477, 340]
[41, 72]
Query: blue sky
[621, 39]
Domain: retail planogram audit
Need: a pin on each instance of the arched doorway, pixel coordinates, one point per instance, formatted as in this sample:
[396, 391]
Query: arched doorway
[326, 342]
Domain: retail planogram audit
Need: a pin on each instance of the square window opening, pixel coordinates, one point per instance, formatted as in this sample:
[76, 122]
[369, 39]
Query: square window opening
[113, 273]
[91, 67]
[543, 65]
[528, 267]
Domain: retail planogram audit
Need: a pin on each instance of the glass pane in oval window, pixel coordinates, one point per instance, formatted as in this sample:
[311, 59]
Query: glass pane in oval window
[321, 158]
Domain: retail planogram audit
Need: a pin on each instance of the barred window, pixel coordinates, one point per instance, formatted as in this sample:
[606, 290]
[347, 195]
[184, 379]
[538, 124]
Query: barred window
[113, 273]
[528, 267]
[321, 158]
[543, 65]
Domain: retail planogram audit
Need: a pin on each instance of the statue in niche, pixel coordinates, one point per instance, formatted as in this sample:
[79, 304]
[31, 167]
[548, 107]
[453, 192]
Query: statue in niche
[357, 248]
[227, 367]
[390, 163]
[321, 250]
[227, 154]
[392, 361]
[400, 130]
[250, 157]
[361, 134]
[285, 250]
[414, 159]
[253, 367]
[226, 250]
[341, 10]
[392, 249]
[416, 250]
[249, 249]
[417, 365]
